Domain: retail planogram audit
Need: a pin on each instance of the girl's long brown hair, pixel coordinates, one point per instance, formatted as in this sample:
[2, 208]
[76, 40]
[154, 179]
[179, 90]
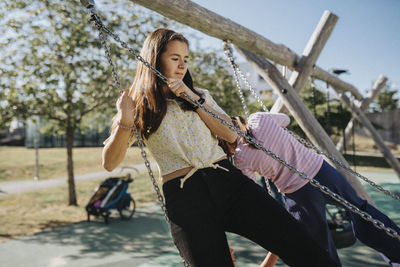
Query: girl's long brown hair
[149, 99]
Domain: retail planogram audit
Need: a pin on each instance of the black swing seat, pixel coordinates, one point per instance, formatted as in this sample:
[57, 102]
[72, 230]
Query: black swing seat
[339, 224]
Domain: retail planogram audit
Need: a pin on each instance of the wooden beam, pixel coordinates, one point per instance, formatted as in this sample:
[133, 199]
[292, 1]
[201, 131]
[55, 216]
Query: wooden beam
[210, 23]
[363, 106]
[299, 76]
[360, 116]
[300, 113]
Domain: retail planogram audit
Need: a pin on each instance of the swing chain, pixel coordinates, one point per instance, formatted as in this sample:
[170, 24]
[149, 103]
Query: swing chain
[151, 174]
[237, 72]
[229, 54]
[109, 59]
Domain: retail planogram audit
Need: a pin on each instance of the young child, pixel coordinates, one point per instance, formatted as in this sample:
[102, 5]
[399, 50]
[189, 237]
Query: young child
[305, 202]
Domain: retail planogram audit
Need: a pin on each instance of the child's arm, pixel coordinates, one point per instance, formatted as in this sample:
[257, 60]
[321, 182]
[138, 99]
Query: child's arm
[270, 260]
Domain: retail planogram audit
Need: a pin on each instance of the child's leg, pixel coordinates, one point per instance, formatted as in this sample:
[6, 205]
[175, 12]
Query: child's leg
[258, 217]
[365, 231]
[307, 205]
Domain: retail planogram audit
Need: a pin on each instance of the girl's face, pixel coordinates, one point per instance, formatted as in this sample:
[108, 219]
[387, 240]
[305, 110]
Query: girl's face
[174, 60]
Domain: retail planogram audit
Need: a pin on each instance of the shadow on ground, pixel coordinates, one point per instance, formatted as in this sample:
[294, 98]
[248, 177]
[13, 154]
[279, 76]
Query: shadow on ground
[117, 236]
[120, 243]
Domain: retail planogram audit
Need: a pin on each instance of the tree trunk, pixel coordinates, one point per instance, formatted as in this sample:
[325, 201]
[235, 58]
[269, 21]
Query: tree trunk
[70, 166]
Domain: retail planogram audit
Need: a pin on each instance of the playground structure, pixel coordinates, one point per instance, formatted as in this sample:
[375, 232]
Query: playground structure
[257, 49]
[302, 67]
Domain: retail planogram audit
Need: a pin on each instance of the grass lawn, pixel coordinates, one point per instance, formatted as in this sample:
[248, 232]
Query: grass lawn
[32, 212]
[18, 163]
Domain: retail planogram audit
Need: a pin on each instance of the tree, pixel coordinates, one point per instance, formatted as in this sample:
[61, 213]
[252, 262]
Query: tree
[386, 99]
[333, 121]
[53, 65]
[212, 72]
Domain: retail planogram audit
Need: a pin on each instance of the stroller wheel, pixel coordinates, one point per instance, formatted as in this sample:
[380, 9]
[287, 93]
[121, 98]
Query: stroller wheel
[126, 207]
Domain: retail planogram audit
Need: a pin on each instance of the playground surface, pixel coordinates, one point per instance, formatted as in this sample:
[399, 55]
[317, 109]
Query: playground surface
[145, 241]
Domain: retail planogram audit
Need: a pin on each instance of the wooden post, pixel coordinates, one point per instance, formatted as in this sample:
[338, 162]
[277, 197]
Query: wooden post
[379, 84]
[300, 113]
[320, 36]
[360, 116]
[210, 23]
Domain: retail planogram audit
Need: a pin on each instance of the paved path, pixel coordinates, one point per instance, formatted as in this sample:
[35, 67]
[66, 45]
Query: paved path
[8, 188]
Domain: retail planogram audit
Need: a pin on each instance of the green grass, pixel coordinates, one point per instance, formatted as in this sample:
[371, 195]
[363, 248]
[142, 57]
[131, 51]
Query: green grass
[368, 163]
[18, 163]
[32, 212]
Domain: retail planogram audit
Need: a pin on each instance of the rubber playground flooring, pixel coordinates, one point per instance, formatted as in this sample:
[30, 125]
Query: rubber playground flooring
[145, 241]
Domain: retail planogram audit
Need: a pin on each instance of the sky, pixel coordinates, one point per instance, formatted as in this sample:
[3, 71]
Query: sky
[365, 40]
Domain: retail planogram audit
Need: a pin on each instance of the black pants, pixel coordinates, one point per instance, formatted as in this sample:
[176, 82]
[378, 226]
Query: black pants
[214, 201]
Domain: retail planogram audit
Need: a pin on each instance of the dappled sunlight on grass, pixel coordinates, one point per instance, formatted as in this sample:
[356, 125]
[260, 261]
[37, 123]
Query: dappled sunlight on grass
[18, 163]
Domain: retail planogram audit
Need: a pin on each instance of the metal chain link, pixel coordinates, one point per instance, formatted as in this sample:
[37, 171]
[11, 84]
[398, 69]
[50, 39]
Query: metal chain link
[308, 144]
[378, 224]
[237, 72]
[229, 53]
[109, 59]
[344, 166]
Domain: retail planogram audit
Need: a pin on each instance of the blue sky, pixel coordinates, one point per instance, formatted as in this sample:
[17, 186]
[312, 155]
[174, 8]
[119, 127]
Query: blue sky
[365, 40]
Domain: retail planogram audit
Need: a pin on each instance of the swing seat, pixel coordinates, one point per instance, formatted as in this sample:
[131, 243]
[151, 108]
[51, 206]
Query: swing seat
[341, 228]
[343, 236]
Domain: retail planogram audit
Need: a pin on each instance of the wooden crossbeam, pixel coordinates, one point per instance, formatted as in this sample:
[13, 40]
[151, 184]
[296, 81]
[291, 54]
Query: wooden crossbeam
[210, 23]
